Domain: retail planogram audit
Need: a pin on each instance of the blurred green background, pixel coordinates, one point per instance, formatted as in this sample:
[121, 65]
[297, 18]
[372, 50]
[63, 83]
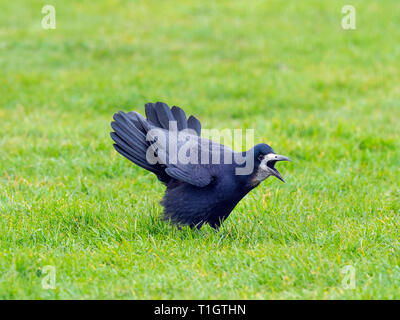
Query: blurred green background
[326, 97]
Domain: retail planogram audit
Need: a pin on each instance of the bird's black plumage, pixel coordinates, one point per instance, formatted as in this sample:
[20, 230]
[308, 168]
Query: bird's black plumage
[202, 191]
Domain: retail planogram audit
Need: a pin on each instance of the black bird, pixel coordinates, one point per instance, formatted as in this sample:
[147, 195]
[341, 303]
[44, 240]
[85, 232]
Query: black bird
[201, 186]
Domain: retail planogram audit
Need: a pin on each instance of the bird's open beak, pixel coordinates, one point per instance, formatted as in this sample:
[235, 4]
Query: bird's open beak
[273, 159]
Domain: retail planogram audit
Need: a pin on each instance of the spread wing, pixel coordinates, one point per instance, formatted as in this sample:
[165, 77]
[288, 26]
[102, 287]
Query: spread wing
[166, 143]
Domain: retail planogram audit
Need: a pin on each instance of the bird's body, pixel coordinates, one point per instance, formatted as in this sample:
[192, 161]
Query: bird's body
[202, 186]
[188, 204]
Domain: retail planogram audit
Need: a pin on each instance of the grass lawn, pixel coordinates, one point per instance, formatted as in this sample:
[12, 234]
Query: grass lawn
[327, 98]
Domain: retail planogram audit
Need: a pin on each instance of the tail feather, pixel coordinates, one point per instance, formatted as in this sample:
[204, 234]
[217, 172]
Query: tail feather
[164, 115]
[180, 117]
[135, 150]
[128, 126]
[138, 145]
[134, 117]
[126, 152]
[151, 114]
[194, 124]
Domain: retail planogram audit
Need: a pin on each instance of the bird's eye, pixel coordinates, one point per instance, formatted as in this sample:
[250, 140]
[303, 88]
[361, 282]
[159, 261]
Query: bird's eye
[260, 157]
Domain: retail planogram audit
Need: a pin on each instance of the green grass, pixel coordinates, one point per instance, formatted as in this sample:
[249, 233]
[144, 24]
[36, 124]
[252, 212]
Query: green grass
[327, 98]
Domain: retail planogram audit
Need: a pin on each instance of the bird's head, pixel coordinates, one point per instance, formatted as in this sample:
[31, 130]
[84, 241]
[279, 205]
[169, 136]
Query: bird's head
[264, 163]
